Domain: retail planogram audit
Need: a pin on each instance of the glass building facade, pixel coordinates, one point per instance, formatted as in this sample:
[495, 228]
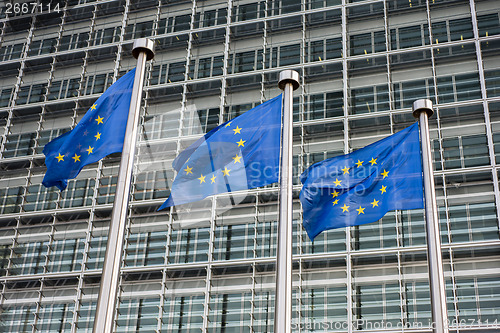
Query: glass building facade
[209, 267]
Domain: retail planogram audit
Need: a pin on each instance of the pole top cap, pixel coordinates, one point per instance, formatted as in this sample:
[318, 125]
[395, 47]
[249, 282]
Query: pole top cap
[289, 76]
[422, 105]
[144, 45]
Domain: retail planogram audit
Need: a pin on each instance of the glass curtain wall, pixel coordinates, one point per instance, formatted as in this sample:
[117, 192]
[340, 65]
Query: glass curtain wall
[209, 266]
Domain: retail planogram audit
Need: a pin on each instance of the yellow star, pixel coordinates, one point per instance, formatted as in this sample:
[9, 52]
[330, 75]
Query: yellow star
[188, 170]
[213, 179]
[337, 182]
[374, 203]
[345, 208]
[383, 189]
[99, 120]
[202, 179]
[345, 169]
[93, 107]
[360, 210]
[241, 143]
[359, 163]
[225, 172]
[373, 161]
[237, 130]
[237, 159]
[228, 124]
[335, 194]
[60, 158]
[336, 202]
[385, 174]
[76, 158]
[90, 150]
[98, 136]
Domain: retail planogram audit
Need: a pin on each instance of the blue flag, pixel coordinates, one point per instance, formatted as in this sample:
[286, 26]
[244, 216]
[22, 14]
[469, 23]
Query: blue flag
[240, 154]
[100, 132]
[361, 187]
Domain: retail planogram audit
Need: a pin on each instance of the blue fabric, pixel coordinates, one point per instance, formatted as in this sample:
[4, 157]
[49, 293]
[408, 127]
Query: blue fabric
[363, 186]
[100, 132]
[240, 154]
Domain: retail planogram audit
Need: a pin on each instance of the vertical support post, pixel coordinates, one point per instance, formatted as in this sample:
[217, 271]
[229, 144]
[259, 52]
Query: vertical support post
[288, 82]
[422, 110]
[106, 303]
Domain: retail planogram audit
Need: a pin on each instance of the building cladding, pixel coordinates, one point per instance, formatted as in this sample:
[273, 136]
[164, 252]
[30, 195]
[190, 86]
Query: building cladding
[210, 266]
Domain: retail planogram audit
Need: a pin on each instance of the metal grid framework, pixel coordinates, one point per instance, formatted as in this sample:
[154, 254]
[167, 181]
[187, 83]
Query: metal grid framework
[210, 266]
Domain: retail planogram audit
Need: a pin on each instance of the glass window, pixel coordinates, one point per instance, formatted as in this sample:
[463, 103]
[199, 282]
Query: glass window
[369, 99]
[405, 93]
[218, 63]
[323, 308]
[38, 197]
[244, 62]
[439, 32]
[22, 95]
[19, 144]
[28, 258]
[247, 11]
[185, 312]
[11, 199]
[146, 248]
[189, 245]
[461, 29]
[488, 25]
[143, 29]
[182, 22]
[48, 46]
[78, 193]
[289, 55]
[35, 48]
[5, 95]
[375, 303]
[107, 189]
[95, 255]
[230, 311]
[376, 235]
[465, 151]
[86, 316]
[417, 302]
[4, 259]
[137, 314]
[152, 184]
[66, 255]
[55, 317]
[411, 36]
[472, 222]
[176, 72]
[360, 44]
[18, 318]
[492, 80]
[204, 67]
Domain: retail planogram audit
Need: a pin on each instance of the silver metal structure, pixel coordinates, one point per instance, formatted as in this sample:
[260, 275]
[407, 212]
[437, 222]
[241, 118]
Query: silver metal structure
[422, 110]
[288, 82]
[106, 304]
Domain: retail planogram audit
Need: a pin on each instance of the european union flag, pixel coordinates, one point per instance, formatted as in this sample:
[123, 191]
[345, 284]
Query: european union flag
[240, 154]
[100, 132]
[361, 187]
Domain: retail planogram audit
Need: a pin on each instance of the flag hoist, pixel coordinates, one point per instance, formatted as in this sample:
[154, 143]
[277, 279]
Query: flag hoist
[143, 50]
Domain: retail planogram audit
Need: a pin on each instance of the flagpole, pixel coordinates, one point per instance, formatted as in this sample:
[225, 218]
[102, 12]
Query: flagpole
[288, 82]
[143, 50]
[422, 110]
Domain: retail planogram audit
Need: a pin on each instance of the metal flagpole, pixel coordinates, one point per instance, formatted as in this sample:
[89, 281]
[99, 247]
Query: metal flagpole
[106, 303]
[288, 82]
[422, 110]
